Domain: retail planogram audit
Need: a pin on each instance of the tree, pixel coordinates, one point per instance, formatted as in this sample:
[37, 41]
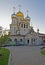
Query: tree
[4, 39]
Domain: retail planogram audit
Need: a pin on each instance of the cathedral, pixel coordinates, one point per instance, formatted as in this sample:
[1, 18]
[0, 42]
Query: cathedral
[21, 32]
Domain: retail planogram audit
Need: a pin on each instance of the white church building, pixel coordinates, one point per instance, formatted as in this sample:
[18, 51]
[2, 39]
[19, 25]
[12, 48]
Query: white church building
[21, 31]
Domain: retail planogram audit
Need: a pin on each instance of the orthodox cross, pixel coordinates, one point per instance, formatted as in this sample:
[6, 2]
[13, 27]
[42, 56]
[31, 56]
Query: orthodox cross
[19, 7]
[14, 9]
[27, 12]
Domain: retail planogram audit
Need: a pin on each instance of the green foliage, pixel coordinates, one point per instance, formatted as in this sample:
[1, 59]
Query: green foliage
[4, 39]
[5, 56]
[43, 52]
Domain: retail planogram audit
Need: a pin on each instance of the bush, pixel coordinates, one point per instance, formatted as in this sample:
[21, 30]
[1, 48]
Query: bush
[43, 52]
[4, 39]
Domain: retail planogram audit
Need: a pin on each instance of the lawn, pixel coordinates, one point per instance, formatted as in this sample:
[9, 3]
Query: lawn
[4, 56]
[43, 52]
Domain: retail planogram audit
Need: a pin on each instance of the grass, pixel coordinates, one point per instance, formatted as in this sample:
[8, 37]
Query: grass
[5, 56]
[43, 52]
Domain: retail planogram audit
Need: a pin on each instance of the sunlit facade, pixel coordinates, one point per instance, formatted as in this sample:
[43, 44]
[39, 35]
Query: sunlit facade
[21, 31]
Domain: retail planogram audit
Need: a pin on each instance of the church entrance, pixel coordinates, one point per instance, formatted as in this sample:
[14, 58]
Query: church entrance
[28, 41]
[15, 40]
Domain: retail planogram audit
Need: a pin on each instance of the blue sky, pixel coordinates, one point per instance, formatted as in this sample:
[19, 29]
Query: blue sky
[36, 12]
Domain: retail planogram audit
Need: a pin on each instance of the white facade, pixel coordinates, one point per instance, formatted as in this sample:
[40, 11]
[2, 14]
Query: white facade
[21, 31]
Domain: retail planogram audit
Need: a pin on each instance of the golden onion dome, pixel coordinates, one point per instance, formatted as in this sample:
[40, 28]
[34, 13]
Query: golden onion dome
[20, 14]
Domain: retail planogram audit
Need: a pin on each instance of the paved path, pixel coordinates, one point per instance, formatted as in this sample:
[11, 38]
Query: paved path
[26, 55]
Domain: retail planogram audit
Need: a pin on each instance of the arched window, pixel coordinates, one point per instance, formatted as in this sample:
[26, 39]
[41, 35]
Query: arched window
[13, 21]
[24, 25]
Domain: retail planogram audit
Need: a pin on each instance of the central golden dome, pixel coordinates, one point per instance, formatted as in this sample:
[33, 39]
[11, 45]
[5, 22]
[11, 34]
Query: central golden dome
[20, 14]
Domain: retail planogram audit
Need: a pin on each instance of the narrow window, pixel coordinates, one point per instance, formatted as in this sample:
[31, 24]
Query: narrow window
[24, 25]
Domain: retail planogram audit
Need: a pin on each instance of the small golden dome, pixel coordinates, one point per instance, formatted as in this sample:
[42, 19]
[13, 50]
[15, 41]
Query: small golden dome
[20, 14]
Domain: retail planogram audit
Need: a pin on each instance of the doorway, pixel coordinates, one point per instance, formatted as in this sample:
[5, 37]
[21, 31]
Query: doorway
[28, 41]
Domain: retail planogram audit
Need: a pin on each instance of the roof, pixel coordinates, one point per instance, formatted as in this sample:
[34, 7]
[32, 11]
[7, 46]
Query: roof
[41, 34]
[20, 14]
